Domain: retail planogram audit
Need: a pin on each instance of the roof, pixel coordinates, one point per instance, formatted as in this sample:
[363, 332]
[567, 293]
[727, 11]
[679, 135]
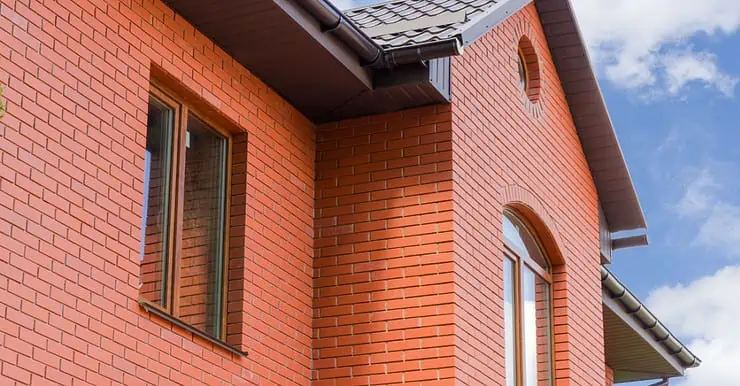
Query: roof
[638, 346]
[429, 16]
[406, 25]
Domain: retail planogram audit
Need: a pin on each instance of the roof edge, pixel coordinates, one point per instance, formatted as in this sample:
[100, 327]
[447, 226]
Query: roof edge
[637, 310]
[485, 22]
[334, 21]
[601, 105]
[372, 55]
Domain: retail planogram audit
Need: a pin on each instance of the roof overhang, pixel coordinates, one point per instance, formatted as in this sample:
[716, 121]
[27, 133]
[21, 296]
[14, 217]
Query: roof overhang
[330, 69]
[617, 195]
[317, 59]
[283, 45]
[637, 345]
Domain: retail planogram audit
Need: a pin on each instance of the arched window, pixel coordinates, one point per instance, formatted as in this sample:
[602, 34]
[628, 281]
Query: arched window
[527, 306]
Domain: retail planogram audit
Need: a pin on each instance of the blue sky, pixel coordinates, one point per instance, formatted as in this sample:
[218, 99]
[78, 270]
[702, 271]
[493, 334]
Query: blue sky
[684, 159]
[669, 70]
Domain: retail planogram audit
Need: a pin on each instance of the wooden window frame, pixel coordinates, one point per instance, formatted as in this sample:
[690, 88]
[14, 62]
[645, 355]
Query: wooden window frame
[520, 260]
[183, 107]
[524, 70]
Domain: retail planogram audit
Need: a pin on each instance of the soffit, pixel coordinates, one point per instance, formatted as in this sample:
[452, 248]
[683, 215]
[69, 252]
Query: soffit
[285, 47]
[630, 354]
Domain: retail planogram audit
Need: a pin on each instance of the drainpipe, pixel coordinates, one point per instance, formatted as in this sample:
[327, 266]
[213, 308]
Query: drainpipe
[663, 382]
[334, 22]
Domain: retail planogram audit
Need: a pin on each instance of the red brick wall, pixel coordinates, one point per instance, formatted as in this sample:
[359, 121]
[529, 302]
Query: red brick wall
[383, 293]
[609, 376]
[507, 149]
[380, 295]
[76, 77]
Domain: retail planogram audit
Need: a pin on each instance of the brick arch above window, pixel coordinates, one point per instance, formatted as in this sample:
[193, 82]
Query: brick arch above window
[533, 211]
[524, 43]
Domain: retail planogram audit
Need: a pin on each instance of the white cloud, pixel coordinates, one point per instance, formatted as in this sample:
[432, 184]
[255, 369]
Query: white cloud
[699, 195]
[718, 218]
[721, 229]
[682, 68]
[643, 44]
[706, 313]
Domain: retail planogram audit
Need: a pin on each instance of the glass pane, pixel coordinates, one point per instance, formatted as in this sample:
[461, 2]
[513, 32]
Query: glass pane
[517, 235]
[522, 72]
[536, 329]
[201, 267]
[509, 322]
[155, 208]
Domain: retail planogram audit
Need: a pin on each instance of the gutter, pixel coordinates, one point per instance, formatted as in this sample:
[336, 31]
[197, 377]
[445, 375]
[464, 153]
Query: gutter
[662, 382]
[635, 308]
[333, 21]
[630, 242]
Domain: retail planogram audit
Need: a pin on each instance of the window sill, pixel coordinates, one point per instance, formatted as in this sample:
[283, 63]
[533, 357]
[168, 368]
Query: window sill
[151, 309]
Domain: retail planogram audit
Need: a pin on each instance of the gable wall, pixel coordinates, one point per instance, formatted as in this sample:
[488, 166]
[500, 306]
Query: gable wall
[505, 149]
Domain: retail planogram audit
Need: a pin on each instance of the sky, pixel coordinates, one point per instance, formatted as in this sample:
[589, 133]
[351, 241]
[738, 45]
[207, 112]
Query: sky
[670, 74]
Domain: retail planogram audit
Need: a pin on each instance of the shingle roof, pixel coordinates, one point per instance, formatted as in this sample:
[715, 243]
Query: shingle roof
[427, 20]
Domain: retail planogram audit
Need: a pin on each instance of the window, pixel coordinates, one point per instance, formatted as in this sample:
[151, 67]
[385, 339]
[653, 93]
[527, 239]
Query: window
[527, 307]
[184, 214]
[528, 71]
[523, 80]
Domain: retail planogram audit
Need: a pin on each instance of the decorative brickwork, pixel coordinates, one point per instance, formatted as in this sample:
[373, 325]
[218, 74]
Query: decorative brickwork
[525, 41]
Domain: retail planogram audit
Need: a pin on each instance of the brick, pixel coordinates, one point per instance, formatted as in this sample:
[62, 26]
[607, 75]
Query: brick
[346, 232]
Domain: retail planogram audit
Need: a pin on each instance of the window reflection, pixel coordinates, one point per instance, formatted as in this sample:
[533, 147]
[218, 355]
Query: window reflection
[155, 208]
[526, 308]
[203, 224]
[517, 235]
[509, 322]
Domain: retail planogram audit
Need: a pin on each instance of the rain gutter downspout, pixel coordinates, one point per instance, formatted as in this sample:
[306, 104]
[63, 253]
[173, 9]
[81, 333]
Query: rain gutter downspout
[634, 307]
[333, 21]
[662, 382]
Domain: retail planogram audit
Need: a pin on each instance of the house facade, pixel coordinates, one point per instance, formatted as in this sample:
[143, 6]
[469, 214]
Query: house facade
[277, 192]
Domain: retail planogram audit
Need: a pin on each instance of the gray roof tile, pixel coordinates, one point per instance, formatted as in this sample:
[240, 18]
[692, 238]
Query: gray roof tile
[378, 15]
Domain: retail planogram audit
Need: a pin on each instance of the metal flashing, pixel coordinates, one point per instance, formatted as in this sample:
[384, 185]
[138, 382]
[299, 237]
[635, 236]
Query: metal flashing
[489, 19]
